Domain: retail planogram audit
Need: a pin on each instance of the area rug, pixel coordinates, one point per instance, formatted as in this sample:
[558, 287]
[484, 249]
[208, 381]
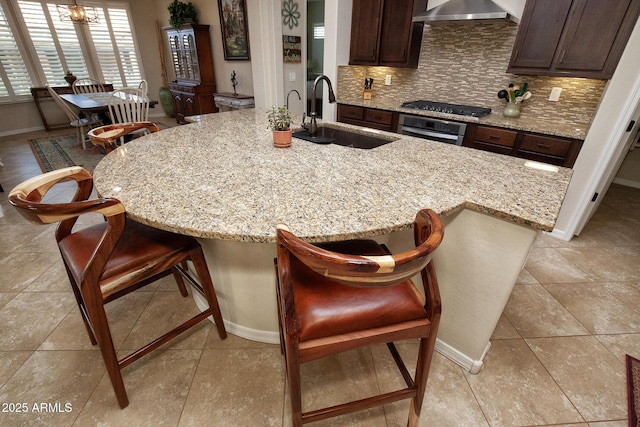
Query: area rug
[63, 151]
[633, 390]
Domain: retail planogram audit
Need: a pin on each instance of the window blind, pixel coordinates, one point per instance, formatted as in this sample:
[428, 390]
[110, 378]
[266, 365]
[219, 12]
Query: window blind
[14, 79]
[55, 47]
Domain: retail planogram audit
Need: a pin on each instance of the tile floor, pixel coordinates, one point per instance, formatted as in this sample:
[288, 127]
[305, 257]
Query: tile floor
[557, 355]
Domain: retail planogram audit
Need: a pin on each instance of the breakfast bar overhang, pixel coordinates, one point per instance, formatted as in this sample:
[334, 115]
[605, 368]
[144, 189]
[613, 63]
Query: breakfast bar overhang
[221, 180]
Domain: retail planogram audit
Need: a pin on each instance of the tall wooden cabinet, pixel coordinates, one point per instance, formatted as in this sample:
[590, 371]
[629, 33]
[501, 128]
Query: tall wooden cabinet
[382, 32]
[573, 38]
[192, 60]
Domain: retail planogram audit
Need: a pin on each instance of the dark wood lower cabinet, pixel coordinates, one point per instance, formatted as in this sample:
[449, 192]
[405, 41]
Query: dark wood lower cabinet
[189, 100]
[554, 150]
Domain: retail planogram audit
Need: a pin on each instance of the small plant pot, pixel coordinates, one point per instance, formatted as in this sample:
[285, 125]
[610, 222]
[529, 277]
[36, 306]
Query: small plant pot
[282, 138]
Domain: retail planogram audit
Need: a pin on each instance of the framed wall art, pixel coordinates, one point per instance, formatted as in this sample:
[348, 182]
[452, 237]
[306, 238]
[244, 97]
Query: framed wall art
[235, 33]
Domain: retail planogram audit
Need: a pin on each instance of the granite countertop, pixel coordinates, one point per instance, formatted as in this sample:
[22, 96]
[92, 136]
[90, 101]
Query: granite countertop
[222, 178]
[496, 118]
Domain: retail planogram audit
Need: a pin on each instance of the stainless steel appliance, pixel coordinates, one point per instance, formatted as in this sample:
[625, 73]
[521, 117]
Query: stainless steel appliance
[450, 132]
[433, 129]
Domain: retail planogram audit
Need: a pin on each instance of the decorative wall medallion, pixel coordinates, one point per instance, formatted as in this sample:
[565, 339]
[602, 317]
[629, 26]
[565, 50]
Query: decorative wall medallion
[290, 13]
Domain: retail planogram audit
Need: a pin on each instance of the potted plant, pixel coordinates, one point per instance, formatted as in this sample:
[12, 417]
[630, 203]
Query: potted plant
[280, 124]
[181, 13]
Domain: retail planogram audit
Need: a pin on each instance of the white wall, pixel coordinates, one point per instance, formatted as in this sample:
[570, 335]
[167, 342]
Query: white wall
[606, 123]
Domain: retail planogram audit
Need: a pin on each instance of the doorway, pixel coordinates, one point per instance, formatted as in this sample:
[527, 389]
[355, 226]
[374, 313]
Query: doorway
[315, 51]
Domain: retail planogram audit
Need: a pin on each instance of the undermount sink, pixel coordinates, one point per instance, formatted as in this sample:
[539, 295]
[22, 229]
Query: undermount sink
[344, 137]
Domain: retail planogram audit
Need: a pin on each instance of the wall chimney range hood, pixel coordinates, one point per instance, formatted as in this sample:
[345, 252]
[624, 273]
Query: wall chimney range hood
[465, 10]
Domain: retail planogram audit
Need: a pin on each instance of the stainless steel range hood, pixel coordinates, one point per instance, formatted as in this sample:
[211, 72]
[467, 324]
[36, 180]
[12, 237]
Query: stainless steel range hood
[465, 10]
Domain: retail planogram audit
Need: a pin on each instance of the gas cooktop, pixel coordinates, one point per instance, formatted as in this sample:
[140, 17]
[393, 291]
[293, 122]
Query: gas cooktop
[443, 107]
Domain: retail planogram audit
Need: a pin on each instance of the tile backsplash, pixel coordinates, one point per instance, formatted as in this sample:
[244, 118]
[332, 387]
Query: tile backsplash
[465, 63]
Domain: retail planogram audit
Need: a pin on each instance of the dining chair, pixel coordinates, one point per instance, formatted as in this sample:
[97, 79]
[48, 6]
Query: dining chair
[87, 85]
[107, 135]
[144, 86]
[345, 295]
[129, 105]
[74, 118]
[112, 258]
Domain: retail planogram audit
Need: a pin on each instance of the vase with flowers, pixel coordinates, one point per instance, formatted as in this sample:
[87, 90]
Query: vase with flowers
[280, 124]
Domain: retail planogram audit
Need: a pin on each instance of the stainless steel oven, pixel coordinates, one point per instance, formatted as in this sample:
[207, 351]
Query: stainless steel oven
[434, 129]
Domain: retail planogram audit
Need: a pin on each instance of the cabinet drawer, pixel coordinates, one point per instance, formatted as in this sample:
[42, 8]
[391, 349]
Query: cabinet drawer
[351, 112]
[545, 145]
[496, 136]
[378, 116]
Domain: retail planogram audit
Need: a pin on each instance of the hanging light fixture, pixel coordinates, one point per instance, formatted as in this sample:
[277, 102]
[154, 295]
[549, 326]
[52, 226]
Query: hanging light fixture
[78, 14]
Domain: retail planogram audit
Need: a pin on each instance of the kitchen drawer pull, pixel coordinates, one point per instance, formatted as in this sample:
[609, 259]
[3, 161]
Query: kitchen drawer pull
[494, 137]
[541, 145]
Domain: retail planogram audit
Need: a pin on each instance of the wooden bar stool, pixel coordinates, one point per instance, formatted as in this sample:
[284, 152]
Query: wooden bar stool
[113, 258]
[339, 296]
[108, 135]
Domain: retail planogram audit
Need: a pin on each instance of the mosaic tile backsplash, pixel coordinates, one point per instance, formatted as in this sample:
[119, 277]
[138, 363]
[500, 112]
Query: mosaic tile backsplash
[466, 63]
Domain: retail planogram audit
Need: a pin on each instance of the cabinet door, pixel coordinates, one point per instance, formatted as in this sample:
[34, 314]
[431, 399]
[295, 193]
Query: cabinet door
[396, 31]
[365, 32]
[590, 33]
[176, 55]
[539, 33]
[190, 56]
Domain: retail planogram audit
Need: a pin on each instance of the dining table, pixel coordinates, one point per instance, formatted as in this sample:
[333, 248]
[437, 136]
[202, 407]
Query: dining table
[93, 103]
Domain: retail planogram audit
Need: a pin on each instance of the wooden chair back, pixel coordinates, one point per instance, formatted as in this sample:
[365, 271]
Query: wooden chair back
[368, 271]
[108, 135]
[87, 85]
[128, 105]
[144, 86]
[71, 114]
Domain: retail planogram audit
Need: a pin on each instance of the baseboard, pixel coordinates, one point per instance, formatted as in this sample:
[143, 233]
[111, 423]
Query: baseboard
[559, 234]
[241, 331]
[473, 366]
[20, 131]
[627, 182]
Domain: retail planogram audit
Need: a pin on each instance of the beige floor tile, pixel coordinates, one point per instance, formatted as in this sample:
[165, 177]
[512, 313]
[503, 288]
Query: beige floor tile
[236, 387]
[157, 386]
[535, 313]
[448, 400]
[5, 297]
[525, 278]
[547, 265]
[337, 379]
[165, 311]
[621, 345]
[122, 314]
[19, 270]
[62, 378]
[54, 279]
[30, 317]
[597, 306]
[513, 388]
[504, 329]
[604, 263]
[590, 375]
[10, 361]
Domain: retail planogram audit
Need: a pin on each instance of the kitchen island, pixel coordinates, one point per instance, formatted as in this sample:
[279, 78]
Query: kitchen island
[221, 180]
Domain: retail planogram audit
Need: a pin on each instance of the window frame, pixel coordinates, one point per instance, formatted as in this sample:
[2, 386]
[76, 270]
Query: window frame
[30, 56]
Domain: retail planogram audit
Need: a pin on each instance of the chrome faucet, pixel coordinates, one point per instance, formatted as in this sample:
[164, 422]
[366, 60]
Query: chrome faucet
[312, 126]
[299, 97]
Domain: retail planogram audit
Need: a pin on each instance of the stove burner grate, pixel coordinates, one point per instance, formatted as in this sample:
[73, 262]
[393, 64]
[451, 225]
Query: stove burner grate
[443, 107]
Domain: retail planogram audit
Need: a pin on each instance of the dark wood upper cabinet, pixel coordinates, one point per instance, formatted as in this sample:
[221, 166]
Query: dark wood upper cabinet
[573, 38]
[382, 33]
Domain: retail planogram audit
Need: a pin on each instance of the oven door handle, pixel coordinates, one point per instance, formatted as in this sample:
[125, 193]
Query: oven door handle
[427, 133]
